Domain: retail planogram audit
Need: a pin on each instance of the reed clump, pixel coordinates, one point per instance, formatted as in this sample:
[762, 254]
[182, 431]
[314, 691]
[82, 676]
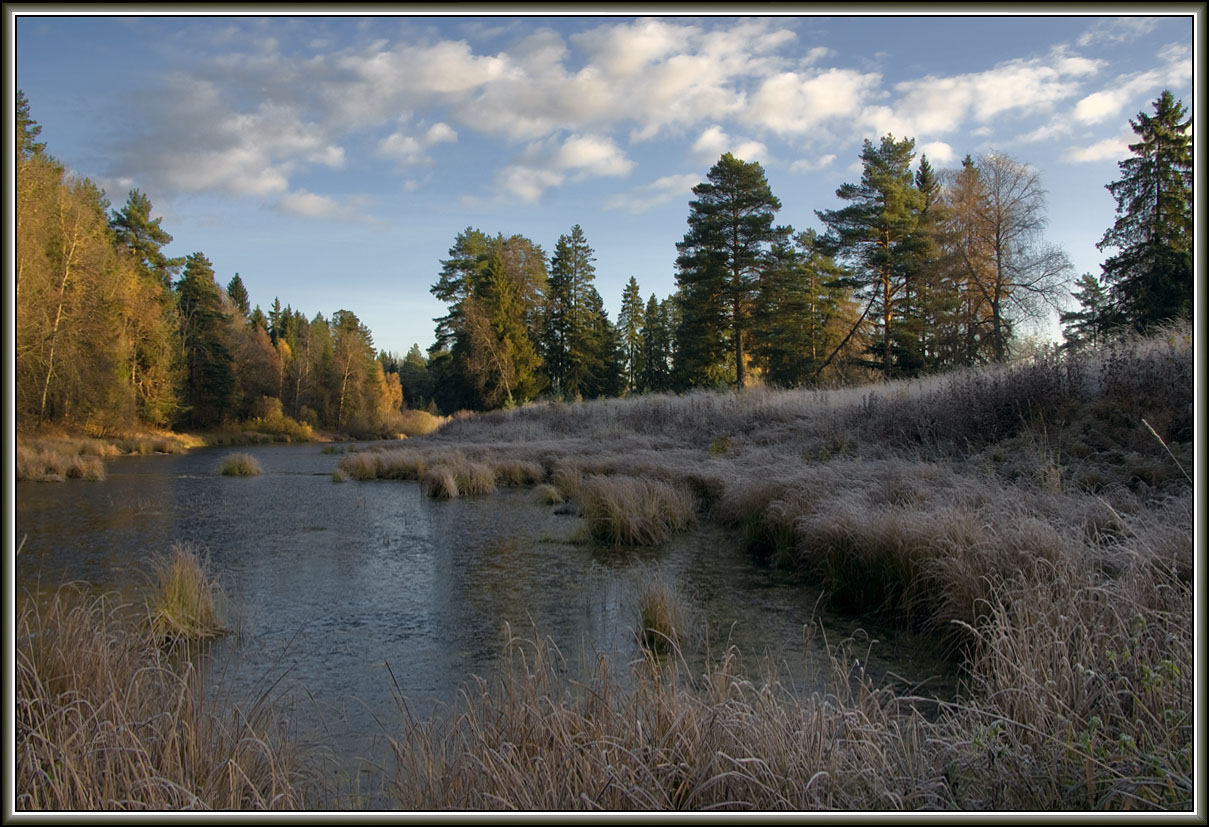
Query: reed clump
[106, 720]
[662, 614]
[186, 598]
[240, 465]
[630, 511]
[440, 483]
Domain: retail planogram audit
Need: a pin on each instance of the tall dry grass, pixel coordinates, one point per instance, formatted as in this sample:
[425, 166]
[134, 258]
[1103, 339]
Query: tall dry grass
[107, 720]
[1037, 517]
[635, 512]
[186, 599]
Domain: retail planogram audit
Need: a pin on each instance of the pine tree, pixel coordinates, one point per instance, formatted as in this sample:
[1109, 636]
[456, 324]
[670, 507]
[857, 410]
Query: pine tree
[134, 228]
[1150, 279]
[28, 130]
[798, 311]
[630, 323]
[878, 236]
[721, 259]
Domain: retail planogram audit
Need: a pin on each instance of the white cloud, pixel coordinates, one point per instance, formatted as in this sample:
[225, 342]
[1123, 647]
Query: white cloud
[593, 156]
[193, 142]
[309, 205]
[792, 103]
[1107, 149]
[713, 143]
[1118, 30]
[411, 150]
[626, 50]
[525, 183]
[660, 191]
[807, 165]
[546, 164]
[938, 105]
[938, 152]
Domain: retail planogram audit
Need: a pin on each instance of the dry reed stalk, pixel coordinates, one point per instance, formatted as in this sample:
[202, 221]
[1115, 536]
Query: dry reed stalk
[106, 721]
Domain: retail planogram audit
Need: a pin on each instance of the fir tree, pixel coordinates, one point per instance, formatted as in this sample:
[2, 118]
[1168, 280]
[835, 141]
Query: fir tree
[630, 323]
[1149, 279]
[210, 386]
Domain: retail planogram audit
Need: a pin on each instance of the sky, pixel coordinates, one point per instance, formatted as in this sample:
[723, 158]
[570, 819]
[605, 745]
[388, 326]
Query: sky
[331, 160]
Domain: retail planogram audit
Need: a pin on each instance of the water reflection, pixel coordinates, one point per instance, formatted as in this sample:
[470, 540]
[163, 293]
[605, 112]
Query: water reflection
[329, 584]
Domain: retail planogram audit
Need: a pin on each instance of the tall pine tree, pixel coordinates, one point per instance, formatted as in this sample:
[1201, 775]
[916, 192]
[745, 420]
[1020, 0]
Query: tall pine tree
[878, 236]
[721, 259]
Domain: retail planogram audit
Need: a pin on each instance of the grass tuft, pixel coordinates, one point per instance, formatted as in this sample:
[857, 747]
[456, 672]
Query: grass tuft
[240, 465]
[185, 603]
[624, 510]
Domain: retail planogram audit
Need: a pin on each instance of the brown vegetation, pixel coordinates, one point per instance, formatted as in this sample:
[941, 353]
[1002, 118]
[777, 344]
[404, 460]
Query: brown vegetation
[106, 720]
[1027, 514]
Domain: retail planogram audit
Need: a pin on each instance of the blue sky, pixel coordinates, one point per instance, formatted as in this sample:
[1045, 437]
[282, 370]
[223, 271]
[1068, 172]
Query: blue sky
[332, 160]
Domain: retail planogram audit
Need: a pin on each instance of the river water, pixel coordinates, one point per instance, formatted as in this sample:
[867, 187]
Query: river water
[338, 592]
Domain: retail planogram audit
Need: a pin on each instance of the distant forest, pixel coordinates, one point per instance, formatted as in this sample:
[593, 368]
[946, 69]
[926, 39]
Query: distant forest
[920, 270]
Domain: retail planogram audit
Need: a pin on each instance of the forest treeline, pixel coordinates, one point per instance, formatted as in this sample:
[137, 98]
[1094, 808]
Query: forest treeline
[918, 271]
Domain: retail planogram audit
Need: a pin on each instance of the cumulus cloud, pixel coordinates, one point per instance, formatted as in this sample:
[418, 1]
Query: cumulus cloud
[713, 143]
[193, 142]
[411, 150]
[1107, 149]
[795, 103]
[310, 205]
[660, 191]
[938, 105]
[938, 152]
[547, 164]
[810, 165]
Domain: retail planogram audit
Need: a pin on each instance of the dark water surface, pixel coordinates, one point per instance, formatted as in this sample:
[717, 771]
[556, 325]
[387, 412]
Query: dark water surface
[328, 584]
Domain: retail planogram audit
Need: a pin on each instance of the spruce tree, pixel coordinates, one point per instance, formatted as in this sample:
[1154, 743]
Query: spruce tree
[238, 294]
[656, 346]
[1149, 279]
[210, 385]
[721, 259]
[567, 315]
[1089, 325]
[630, 323]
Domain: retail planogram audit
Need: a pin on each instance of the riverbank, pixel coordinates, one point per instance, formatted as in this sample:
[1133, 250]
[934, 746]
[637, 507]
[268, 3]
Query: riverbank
[1035, 519]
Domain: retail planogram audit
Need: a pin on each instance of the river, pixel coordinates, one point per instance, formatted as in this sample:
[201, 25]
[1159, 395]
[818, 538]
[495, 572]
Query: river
[338, 591]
